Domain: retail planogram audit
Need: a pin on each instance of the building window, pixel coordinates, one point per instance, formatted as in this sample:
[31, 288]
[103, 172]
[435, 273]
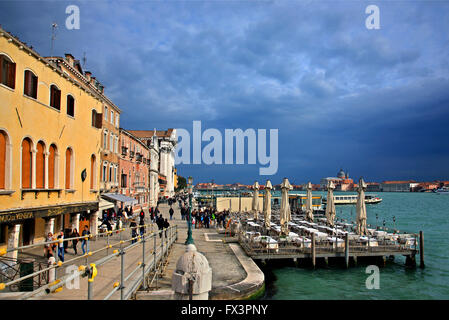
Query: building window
[111, 142]
[30, 86]
[123, 182]
[40, 165]
[116, 120]
[110, 173]
[3, 141]
[52, 167]
[55, 97]
[70, 105]
[27, 159]
[112, 117]
[105, 140]
[106, 113]
[92, 171]
[115, 174]
[68, 168]
[7, 72]
[104, 177]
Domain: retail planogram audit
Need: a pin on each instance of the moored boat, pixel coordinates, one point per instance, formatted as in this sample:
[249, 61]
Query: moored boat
[352, 199]
[442, 190]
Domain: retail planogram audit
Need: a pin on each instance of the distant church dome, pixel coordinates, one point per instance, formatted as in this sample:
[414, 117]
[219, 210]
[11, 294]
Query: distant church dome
[341, 174]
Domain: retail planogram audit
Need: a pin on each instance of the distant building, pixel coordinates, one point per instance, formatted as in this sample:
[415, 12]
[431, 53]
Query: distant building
[342, 182]
[372, 187]
[134, 168]
[398, 186]
[166, 141]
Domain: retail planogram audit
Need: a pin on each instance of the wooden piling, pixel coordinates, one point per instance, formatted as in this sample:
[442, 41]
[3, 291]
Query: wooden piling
[421, 250]
[347, 250]
[313, 251]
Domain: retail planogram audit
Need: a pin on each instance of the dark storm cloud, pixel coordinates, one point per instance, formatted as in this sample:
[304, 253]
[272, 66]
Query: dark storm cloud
[372, 101]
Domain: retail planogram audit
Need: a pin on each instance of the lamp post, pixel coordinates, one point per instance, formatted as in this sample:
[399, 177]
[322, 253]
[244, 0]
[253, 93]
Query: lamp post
[189, 239]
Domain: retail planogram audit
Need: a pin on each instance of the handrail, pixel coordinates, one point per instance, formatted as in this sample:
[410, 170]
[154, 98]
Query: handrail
[146, 234]
[74, 238]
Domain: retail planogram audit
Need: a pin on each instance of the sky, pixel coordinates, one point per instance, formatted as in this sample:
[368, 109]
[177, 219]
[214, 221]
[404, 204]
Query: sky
[374, 102]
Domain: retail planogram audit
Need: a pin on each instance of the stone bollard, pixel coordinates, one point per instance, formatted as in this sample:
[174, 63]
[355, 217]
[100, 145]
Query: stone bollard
[192, 278]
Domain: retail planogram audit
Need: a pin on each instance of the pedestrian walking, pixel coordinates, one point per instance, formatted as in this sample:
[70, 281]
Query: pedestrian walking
[85, 241]
[171, 211]
[166, 225]
[142, 227]
[133, 227]
[74, 234]
[48, 248]
[61, 246]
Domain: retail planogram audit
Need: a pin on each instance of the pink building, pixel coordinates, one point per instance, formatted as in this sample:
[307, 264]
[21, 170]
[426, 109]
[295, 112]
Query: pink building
[134, 166]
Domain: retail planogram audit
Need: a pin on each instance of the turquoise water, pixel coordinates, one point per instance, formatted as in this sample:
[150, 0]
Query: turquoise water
[413, 211]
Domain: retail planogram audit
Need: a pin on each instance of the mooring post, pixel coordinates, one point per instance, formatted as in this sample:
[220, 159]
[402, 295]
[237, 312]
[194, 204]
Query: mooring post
[313, 250]
[347, 250]
[421, 249]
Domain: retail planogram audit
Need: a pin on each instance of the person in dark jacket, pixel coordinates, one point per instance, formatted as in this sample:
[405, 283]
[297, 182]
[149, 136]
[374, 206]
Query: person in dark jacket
[171, 211]
[74, 234]
[133, 226]
[166, 224]
[142, 227]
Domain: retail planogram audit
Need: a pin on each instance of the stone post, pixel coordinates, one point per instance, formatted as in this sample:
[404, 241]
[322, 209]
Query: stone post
[192, 278]
[13, 240]
[93, 223]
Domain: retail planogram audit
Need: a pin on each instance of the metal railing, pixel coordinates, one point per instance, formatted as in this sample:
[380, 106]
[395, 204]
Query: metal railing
[149, 261]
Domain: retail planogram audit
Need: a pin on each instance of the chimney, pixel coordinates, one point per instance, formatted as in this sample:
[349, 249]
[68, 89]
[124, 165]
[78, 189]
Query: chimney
[88, 74]
[70, 59]
[93, 80]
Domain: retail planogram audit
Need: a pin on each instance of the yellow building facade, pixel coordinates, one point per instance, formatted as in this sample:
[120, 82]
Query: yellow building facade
[50, 140]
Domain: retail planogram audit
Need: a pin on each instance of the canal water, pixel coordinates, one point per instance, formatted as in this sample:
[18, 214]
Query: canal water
[428, 212]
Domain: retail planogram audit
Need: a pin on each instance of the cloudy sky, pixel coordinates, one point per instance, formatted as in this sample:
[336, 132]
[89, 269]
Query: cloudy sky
[374, 102]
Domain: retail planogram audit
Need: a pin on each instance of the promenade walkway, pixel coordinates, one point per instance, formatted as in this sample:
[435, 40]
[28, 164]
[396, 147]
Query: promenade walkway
[234, 275]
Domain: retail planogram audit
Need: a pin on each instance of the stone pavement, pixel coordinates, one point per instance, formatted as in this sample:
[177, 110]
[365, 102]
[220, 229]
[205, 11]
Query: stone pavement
[229, 272]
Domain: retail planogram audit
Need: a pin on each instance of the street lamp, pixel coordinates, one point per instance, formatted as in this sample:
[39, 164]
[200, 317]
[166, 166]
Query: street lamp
[189, 239]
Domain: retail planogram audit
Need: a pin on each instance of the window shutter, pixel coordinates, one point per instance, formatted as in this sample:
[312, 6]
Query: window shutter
[99, 120]
[34, 82]
[58, 99]
[12, 75]
[1, 68]
[27, 83]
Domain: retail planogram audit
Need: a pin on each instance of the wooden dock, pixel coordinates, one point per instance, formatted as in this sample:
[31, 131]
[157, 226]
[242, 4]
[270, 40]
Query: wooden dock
[264, 245]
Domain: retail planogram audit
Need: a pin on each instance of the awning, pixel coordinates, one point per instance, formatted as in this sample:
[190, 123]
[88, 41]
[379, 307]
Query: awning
[104, 204]
[119, 197]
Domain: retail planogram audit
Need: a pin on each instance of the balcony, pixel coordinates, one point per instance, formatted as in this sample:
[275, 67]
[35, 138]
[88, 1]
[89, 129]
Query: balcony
[139, 187]
[124, 151]
[138, 157]
[131, 154]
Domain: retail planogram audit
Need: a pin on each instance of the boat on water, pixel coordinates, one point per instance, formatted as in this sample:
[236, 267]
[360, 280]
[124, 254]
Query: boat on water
[352, 199]
[442, 190]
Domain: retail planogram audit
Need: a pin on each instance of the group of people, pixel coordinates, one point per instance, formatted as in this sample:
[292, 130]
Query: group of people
[60, 247]
[205, 217]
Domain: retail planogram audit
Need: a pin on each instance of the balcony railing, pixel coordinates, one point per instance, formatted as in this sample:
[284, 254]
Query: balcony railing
[124, 150]
[138, 157]
[131, 154]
